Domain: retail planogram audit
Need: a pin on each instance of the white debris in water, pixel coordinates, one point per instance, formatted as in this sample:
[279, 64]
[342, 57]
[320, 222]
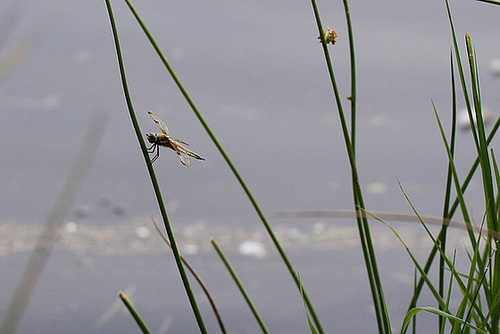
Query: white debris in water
[192, 230]
[252, 248]
[463, 118]
[383, 121]
[376, 188]
[142, 232]
[495, 67]
[190, 249]
[70, 227]
[319, 227]
[294, 233]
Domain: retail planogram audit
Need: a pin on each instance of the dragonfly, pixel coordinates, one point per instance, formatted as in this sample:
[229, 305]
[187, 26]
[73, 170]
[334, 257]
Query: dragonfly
[164, 139]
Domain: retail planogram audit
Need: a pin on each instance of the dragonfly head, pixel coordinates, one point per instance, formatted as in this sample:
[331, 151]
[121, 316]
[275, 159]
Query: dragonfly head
[152, 137]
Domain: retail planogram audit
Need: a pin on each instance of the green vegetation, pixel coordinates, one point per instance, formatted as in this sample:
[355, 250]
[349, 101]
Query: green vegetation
[479, 309]
[477, 289]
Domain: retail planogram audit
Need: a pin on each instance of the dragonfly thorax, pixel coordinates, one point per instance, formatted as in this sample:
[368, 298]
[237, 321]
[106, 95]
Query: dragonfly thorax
[152, 137]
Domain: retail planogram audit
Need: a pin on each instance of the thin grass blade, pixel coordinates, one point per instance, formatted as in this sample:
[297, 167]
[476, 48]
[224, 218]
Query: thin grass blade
[137, 317]
[438, 312]
[309, 322]
[240, 287]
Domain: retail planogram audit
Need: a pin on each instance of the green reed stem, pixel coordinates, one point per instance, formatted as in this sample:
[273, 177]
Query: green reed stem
[240, 286]
[152, 175]
[363, 227]
[448, 188]
[229, 163]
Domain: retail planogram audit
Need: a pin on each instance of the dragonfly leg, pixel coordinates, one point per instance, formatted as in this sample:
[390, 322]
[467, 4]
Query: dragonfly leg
[151, 148]
[157, 149]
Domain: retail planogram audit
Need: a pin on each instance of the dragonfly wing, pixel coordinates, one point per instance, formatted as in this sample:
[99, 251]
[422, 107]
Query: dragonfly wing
[179, 141]
[182, 153]
[185, 160]
[161, 124]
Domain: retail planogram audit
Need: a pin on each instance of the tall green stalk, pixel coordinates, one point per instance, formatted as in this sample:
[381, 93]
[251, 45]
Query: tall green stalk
[349, 140]
[229, 163]
[447, 196]
[152, 175]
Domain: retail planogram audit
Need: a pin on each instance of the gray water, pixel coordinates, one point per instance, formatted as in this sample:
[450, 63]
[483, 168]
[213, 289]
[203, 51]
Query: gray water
[256, 72]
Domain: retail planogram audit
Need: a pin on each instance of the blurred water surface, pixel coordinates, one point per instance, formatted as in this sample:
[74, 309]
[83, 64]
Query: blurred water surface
[256, 72]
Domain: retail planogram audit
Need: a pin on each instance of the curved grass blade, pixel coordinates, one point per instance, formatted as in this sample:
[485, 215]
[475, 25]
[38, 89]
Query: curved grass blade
[440, 313]
[149, 165]
[198, 279]
[493, 2]
[456, 203]
[469, 298]
[134, 313]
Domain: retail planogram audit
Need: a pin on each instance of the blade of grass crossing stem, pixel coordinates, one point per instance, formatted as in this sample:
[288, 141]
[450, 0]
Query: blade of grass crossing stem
[197, 277]
[152, 175]
[451, 212]
[466, 292]
[493, 2]
[436, 243]
[240, 286]
[442, 320]
[475, 300]
[229, 163]
[309, 322]
[443, 311]
[442, 306]
[134, 313]
[456, 181]
[433, 290]
[438, 312]
[363, 227]
[414, 324]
